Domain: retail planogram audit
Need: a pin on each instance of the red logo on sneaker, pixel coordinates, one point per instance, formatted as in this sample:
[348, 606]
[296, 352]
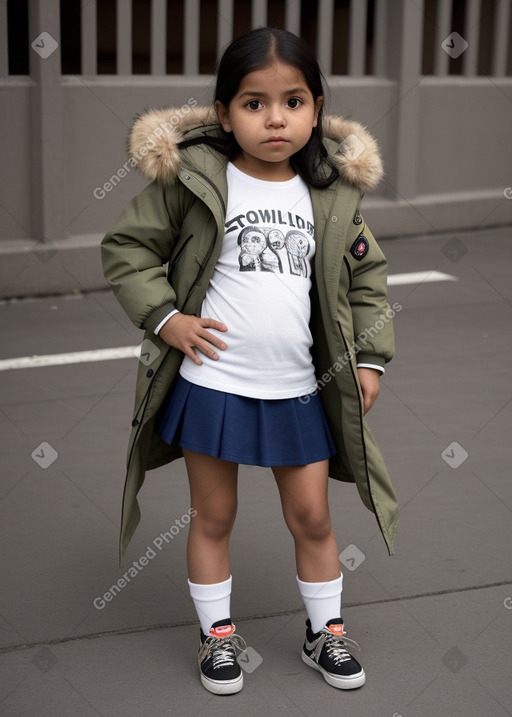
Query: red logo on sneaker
[336, 629]
[222, 630]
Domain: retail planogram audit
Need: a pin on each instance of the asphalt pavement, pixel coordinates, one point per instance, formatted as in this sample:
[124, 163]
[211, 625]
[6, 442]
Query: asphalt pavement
[434, 622]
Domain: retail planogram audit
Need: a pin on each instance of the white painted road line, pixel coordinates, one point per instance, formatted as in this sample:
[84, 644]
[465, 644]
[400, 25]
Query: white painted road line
[75, 357]
[414, 277]
[419, 277]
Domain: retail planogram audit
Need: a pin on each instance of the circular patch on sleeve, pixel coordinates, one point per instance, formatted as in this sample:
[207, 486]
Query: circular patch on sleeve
[360, 248]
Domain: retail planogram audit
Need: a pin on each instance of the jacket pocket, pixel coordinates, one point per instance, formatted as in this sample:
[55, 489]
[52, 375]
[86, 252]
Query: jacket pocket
[177, 254]
[349, 272]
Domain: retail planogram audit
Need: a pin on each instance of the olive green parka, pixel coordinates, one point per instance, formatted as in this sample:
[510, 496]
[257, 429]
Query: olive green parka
[161, 252]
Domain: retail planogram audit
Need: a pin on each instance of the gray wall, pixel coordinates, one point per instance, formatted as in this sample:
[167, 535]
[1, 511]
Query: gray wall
[463, 143]
[445, 142]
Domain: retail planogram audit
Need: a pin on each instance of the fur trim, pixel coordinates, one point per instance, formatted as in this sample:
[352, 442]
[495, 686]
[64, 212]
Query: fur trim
[154, 139]
[358, 158]
[155, 135]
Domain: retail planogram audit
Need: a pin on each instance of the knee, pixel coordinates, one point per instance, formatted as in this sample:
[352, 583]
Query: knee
[310, 525]
[215, 524]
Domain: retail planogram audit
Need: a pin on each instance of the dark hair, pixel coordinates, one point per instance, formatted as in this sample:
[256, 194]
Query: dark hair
[255, 51]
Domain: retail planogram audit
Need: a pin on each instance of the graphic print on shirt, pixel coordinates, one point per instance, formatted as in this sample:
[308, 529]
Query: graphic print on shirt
[274, 240]
[270, 249]
[297, 246]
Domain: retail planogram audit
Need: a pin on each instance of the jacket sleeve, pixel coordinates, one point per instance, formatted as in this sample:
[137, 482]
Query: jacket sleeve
[371, 314]
[136, 248]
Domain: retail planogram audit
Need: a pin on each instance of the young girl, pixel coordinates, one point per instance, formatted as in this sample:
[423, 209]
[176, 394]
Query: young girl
[271, 325]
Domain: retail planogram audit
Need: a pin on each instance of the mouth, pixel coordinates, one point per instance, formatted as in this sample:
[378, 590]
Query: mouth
[276, 140]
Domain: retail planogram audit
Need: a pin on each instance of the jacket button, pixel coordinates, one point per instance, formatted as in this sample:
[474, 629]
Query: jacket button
[150, 373]
[135, 422]
[187, 176]
[334, 219]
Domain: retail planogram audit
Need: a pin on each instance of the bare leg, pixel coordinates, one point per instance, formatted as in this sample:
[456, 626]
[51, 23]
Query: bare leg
[213, 494]
[303, 491]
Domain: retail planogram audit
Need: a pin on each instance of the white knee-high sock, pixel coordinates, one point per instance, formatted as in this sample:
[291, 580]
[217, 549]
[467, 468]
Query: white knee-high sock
[322, 601]
[212, 602]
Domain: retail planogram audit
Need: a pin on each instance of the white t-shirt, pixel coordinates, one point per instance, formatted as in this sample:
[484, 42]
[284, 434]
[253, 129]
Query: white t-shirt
[260, 291]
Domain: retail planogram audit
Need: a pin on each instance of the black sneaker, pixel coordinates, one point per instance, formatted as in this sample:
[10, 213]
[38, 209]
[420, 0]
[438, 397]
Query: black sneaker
[326, 651]
[220, 672]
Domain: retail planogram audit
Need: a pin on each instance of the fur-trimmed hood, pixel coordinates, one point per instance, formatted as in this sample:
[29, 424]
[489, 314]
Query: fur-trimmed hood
[155, 135]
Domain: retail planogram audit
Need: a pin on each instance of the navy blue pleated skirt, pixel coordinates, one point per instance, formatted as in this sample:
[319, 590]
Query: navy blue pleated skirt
[251, 431]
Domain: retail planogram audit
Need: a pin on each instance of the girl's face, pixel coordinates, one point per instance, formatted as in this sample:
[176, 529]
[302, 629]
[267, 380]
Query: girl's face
[271, 116]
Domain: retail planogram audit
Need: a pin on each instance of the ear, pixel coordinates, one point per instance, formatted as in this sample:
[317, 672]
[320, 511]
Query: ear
[318, 106]
[223, 115]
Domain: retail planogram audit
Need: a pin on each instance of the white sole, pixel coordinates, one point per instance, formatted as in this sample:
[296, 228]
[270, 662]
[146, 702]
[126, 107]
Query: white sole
[340, 682]
[224, 687]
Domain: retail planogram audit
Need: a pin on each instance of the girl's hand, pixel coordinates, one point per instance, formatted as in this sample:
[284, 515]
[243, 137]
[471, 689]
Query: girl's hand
[369, 382]
[186, 333]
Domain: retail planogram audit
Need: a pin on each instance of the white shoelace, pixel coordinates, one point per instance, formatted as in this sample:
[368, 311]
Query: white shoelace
[336, 646]
[222, 650]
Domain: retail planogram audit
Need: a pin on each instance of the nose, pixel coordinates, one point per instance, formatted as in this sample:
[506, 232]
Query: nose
[275, 117]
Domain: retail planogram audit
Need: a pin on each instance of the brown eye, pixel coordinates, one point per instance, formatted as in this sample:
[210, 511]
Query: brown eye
[294, 102]
[254, 105]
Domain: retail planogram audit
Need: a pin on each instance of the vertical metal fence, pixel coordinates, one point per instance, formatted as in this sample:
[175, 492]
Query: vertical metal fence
[364, 23]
